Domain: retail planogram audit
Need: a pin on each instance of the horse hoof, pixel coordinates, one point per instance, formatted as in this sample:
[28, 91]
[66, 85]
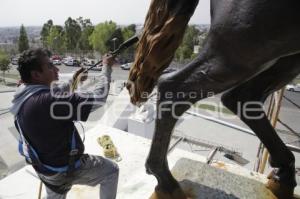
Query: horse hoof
[176, 194]
[281, 191]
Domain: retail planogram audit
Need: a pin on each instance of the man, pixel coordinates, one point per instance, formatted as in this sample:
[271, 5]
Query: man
[48, 138]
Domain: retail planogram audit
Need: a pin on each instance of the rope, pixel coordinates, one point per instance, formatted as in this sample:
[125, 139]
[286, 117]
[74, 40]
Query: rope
[109, 149]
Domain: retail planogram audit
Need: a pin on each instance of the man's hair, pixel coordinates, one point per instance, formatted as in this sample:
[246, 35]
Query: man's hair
[31, 60]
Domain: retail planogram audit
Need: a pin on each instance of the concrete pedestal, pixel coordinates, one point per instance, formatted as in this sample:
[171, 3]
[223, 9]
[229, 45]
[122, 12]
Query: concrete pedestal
[219, 181]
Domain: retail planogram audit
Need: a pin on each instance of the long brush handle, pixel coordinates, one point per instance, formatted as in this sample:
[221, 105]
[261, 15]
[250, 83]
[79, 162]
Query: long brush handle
[120, 49]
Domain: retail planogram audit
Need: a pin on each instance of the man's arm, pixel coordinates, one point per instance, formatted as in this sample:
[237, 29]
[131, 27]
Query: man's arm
[101, 91]
[84, 102]
[67, 86]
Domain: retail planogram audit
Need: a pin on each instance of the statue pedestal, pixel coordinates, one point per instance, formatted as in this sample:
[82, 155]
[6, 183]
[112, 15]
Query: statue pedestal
[219, 180]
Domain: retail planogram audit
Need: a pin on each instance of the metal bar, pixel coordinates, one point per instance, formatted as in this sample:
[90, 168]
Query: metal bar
[230, 154]
[289, 128]
[179, 139]
[291, 147]
[274, 118]
[212, 119]
[203, 144]
[40, 190]
[289, 100]
[258, 155]
[211, 155]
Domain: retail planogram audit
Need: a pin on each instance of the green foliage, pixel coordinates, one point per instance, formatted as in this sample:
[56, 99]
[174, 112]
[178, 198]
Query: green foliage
[45, 32]
[84, 23]
[55, 39]
[115, 40]
[84, 43]
[190, 39]
[128, 32]
[73, 36]
[183, 52]
[191, 36]
[80, 34]
[12, 52]
[72, 33]
[4, 63]
[202, 38]
[132, 27]
[23, 40]
[87, 29]
[101, 34]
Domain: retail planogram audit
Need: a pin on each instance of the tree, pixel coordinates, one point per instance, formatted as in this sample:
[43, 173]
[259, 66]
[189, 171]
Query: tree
[190, 39]
[45, 32]
[132, 27]
[13, 52]
[84, 43]
[84, 23]
[72, 33]
[202, 39]
[87, 30]
[101, 35]
[23, 40]
[128, 32]
[55, 39]
[183, 52]
[115, 40]
[4, 63]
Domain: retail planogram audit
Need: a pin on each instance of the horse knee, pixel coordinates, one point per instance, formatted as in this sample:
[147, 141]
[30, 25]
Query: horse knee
[164, 84]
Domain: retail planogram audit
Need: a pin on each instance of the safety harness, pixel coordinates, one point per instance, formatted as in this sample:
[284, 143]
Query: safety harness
[31, 156]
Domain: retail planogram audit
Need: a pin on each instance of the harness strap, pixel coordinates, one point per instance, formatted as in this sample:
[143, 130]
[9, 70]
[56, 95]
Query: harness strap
[72, 154]
[31, 156]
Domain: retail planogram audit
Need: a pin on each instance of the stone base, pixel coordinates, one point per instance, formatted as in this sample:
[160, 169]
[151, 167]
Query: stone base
[204, 181]
[177, 194]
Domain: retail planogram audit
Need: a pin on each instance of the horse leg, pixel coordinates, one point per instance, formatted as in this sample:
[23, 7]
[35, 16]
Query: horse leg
[254, 92]
[177, 92]
[157, 163]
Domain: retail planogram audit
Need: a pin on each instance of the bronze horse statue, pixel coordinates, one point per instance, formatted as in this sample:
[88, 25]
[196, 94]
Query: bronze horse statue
[252, 50]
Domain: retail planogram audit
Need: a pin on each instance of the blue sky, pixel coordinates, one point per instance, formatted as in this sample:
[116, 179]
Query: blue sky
[37, 12]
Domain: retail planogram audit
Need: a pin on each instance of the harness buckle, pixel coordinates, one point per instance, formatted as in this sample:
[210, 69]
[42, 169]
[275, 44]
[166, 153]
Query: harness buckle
[73, 152]
[28, 160]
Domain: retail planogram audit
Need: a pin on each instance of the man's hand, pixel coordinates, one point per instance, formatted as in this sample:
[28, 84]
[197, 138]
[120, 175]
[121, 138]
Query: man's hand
[108, 60]
[81, 75]
[20, 82]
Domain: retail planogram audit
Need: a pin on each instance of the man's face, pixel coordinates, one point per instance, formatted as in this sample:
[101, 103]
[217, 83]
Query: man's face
[48, 74]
